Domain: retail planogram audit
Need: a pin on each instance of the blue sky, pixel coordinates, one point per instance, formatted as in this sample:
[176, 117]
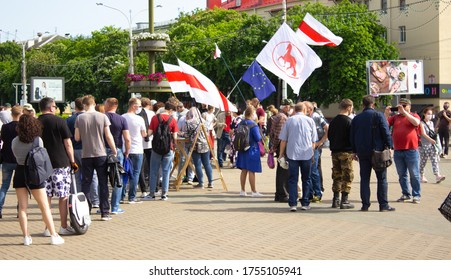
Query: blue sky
[29, 17]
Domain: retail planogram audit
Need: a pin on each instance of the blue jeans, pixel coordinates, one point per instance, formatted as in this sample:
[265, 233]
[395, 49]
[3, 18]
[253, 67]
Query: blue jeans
[408, 160]
[137, 161]
[222, 143]
[165, 162]
[315, 175]
[7, 174]
[99, 164]
[199, 160]
[382, 184]
[78, 175]
[116, 193]
[305, 166]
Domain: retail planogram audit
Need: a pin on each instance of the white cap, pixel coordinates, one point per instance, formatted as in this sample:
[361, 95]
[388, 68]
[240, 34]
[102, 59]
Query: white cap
[153, 102]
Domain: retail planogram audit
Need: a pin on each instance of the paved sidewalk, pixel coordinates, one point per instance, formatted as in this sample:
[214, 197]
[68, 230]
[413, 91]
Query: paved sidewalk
[216, 225]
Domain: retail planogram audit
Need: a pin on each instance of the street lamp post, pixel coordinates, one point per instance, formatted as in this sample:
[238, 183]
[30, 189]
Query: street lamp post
[131, 67]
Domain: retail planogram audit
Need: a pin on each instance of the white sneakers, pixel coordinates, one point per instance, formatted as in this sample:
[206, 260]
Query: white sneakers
[54, 240]
[254, 194]
[27, 241]
[66, 231]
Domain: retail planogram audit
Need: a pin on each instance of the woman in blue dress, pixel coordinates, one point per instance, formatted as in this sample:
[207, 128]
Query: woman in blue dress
[249, 161]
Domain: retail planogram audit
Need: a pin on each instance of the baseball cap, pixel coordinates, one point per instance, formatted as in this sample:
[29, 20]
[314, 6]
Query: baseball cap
[287, 102]
[153, 102]
[8, 105]
[405, 100]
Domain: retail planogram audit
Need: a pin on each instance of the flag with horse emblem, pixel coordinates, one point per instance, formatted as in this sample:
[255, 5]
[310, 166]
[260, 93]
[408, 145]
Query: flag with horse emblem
[289, 58]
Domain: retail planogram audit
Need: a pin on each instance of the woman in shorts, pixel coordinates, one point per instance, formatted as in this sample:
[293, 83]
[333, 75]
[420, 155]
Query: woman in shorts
[28, 129]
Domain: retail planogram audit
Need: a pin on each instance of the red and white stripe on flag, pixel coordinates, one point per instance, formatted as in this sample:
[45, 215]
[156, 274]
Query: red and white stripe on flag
[289, 58]
[315, 33]
[184, 78]
[217, 52]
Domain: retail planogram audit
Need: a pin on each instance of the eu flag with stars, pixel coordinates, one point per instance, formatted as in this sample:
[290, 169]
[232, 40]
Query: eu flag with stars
[261, 85]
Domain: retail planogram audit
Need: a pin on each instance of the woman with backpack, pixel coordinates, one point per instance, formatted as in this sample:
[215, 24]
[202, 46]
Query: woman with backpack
[201, 152]
[427, 148]
[28, 129]
[249, 160]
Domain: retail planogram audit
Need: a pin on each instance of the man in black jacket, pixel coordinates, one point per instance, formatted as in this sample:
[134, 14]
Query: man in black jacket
[340, 145]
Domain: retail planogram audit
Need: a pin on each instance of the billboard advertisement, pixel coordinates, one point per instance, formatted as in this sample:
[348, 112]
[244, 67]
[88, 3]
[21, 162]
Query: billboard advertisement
[47, 87]
[395, 77]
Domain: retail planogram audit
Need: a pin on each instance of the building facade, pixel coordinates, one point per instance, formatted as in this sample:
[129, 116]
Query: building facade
[418, 28]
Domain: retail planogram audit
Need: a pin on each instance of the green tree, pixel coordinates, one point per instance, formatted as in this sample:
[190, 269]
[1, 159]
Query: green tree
[10, 70]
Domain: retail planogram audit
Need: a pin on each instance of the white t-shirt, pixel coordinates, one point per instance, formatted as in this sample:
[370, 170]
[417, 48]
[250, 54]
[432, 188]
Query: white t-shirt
[150, 114]
[135, 126]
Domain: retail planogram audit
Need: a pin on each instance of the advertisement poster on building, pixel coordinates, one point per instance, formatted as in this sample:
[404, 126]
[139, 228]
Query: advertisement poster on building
[47, 87]
[395, 77]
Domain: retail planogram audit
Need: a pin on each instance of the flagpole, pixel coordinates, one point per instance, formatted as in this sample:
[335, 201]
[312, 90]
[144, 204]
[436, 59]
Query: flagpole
[233, 78]
[234, 87]
[284, 83]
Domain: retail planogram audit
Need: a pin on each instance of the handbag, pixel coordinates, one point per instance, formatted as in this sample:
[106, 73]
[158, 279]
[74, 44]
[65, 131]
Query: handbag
[430, 132]
[380, 159]
[270, 160]
[262, 148]
[445, 208]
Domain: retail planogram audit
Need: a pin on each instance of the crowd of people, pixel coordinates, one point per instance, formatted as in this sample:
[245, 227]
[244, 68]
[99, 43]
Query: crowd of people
[144, 140]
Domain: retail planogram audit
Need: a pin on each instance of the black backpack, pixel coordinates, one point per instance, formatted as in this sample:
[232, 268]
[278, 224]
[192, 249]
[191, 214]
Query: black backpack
[242, 134]
[38, 166]
[161, 142]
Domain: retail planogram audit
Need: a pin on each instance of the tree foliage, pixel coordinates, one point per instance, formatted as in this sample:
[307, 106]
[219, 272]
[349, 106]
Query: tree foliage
[98, 64]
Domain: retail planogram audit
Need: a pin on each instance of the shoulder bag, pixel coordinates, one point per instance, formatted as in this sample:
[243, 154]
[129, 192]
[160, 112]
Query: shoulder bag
[379, 159]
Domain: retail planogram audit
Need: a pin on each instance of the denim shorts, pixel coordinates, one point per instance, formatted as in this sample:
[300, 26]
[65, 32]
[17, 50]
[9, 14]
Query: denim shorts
[58, 184]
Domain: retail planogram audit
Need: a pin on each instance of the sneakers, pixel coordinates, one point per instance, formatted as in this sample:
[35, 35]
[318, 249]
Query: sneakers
[439, 179]
[423, 179]
[134, 201]
[387, 209]
[106, 217]
[66, 231]
[144, 194]
[405, 198]
[164, 197]
[316, 199]
[95, 206]
[416, 200]
[305, 208]
[190, 182]
[257, 194]
[149, 198]
[199, 186]
[46, 233]
[118, 211]
[210, 185]
[293, 208]
[243, 193]
[56, 240]
[27, 241]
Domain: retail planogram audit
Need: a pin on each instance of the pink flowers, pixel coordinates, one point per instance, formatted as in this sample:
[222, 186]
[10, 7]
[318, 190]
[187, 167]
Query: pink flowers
[158, 77]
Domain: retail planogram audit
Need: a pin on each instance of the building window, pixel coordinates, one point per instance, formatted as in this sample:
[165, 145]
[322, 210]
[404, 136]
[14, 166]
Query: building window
[402, 5]
[384, 6]
[402, 34]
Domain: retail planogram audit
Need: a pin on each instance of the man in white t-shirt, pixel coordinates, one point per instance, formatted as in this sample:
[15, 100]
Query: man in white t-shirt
[138, 131]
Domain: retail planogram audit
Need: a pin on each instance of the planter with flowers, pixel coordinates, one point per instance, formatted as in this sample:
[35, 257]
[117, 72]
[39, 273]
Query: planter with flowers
[156, 82]
[151, 42]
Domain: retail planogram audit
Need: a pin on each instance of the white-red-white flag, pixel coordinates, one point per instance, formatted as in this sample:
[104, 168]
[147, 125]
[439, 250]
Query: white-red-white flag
[315, 33]
[217, 52]
[289, 58]
[202, 89]
[176, 78]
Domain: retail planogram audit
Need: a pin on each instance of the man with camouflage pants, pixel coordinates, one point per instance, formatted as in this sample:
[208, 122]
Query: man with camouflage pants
[340, 145]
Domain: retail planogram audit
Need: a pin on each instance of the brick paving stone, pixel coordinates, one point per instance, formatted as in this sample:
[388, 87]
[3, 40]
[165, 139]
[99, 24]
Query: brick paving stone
[216, 225]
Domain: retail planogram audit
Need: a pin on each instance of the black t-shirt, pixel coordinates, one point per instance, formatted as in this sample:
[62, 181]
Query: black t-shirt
[7, 135]
[54, 132]
[118, 124]
[339, 134]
